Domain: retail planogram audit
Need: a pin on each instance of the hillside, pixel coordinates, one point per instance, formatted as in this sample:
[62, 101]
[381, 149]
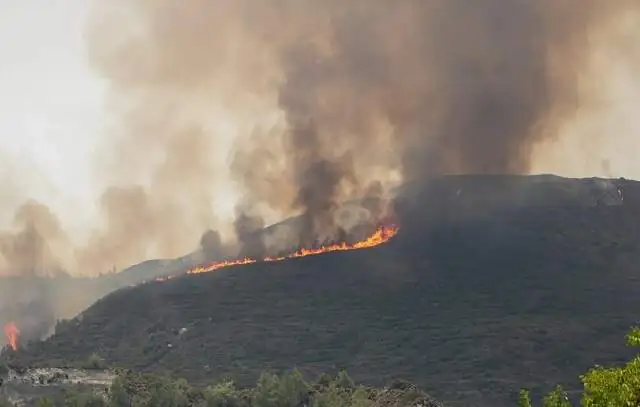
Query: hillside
[493, 283]
[37, 301]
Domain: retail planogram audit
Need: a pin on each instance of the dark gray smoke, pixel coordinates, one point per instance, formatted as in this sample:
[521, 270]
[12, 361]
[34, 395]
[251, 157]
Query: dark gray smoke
[465, 86]
[211, 245]
[248, 226]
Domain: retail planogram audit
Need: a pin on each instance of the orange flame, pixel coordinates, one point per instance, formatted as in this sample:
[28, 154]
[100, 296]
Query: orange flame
[380, 236]
[11, 333]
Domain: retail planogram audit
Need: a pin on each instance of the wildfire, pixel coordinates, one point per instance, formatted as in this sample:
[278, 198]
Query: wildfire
[380, 236]
[11, 333]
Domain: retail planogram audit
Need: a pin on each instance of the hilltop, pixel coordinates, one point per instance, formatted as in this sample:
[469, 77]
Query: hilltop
[493, 283]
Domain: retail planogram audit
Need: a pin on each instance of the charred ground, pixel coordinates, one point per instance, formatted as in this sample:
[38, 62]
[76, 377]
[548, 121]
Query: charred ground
[494, 283]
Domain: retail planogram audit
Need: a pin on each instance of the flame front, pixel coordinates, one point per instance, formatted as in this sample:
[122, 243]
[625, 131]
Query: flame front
[380, 236]
[11, 333]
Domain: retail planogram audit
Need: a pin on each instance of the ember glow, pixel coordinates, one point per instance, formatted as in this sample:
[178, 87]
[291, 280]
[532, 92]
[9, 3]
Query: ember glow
[380, 236]
[11, 333]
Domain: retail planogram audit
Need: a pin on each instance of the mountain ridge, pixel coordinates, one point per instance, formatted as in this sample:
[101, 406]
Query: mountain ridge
[470, 300]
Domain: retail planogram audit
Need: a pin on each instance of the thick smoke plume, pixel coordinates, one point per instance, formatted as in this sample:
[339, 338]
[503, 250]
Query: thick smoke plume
[361, 88]
[330, 100]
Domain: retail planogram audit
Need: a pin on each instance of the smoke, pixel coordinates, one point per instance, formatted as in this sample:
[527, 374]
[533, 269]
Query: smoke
[247, 227]
[211, 245]
[31, 248]
[319, 101]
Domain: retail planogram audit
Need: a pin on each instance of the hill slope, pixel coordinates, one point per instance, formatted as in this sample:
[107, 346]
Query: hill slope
[474, 298]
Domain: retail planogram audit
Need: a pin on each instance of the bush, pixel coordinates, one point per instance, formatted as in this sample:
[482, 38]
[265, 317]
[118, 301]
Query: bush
[324, 380]
[557, 398]
[223, 394]
[525, 399]
[333, 396]
[73, 399]
[135, 389]
[94, 361]
[344, 381]
[280, 391]
[131, 389]
[603, 386]
[617, 386]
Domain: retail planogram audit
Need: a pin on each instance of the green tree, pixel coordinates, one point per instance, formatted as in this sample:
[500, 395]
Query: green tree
[94, 361]
[289, 390]
[603, 386]
[332, 396]
[344, 380]
[324, 380]
[616, 386]
[129, 389]
[557, 398]
[525, 399]
[222, 394]
[360, 398]
[165, 392]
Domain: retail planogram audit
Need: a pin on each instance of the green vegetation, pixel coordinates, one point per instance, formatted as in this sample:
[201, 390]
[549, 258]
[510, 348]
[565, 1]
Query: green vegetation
[472, 300]
[94, 361]
[603, 386]
[286, 390]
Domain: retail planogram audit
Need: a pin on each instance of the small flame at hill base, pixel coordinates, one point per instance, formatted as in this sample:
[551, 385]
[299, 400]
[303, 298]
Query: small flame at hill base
[11, 333]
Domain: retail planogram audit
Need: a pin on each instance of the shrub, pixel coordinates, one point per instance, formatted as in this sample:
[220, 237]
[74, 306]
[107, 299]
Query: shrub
[288, 390]
[344, 381]
[603, 386]
[324, 380]
[94, 361]
[525, 399]
[74, 399]
[223, 394]
[333, 396]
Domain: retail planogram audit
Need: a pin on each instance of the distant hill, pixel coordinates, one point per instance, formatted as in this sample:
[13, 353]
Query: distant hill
[494, 283]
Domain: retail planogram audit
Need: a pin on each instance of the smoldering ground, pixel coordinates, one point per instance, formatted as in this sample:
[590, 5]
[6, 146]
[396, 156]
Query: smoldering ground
[331, 96]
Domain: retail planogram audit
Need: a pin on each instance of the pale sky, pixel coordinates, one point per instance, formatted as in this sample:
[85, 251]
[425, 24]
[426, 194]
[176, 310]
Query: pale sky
[50, 102]
[52, 111]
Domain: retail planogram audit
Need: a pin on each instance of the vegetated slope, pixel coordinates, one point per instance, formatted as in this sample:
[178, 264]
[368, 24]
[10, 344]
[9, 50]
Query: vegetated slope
[36, 301]
[475, 298]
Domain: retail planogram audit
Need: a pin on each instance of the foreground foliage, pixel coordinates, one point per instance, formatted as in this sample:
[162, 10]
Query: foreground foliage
[288, 390]
[603, 386]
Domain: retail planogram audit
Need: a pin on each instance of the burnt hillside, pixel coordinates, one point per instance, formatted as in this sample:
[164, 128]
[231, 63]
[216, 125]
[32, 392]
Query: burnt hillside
[493, 283]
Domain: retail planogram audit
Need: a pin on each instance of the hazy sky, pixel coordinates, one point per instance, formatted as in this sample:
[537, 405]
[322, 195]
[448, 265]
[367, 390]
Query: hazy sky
[50, 103]
[51, 113]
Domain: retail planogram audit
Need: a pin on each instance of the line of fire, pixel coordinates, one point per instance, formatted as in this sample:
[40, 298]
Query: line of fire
[380, 236]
